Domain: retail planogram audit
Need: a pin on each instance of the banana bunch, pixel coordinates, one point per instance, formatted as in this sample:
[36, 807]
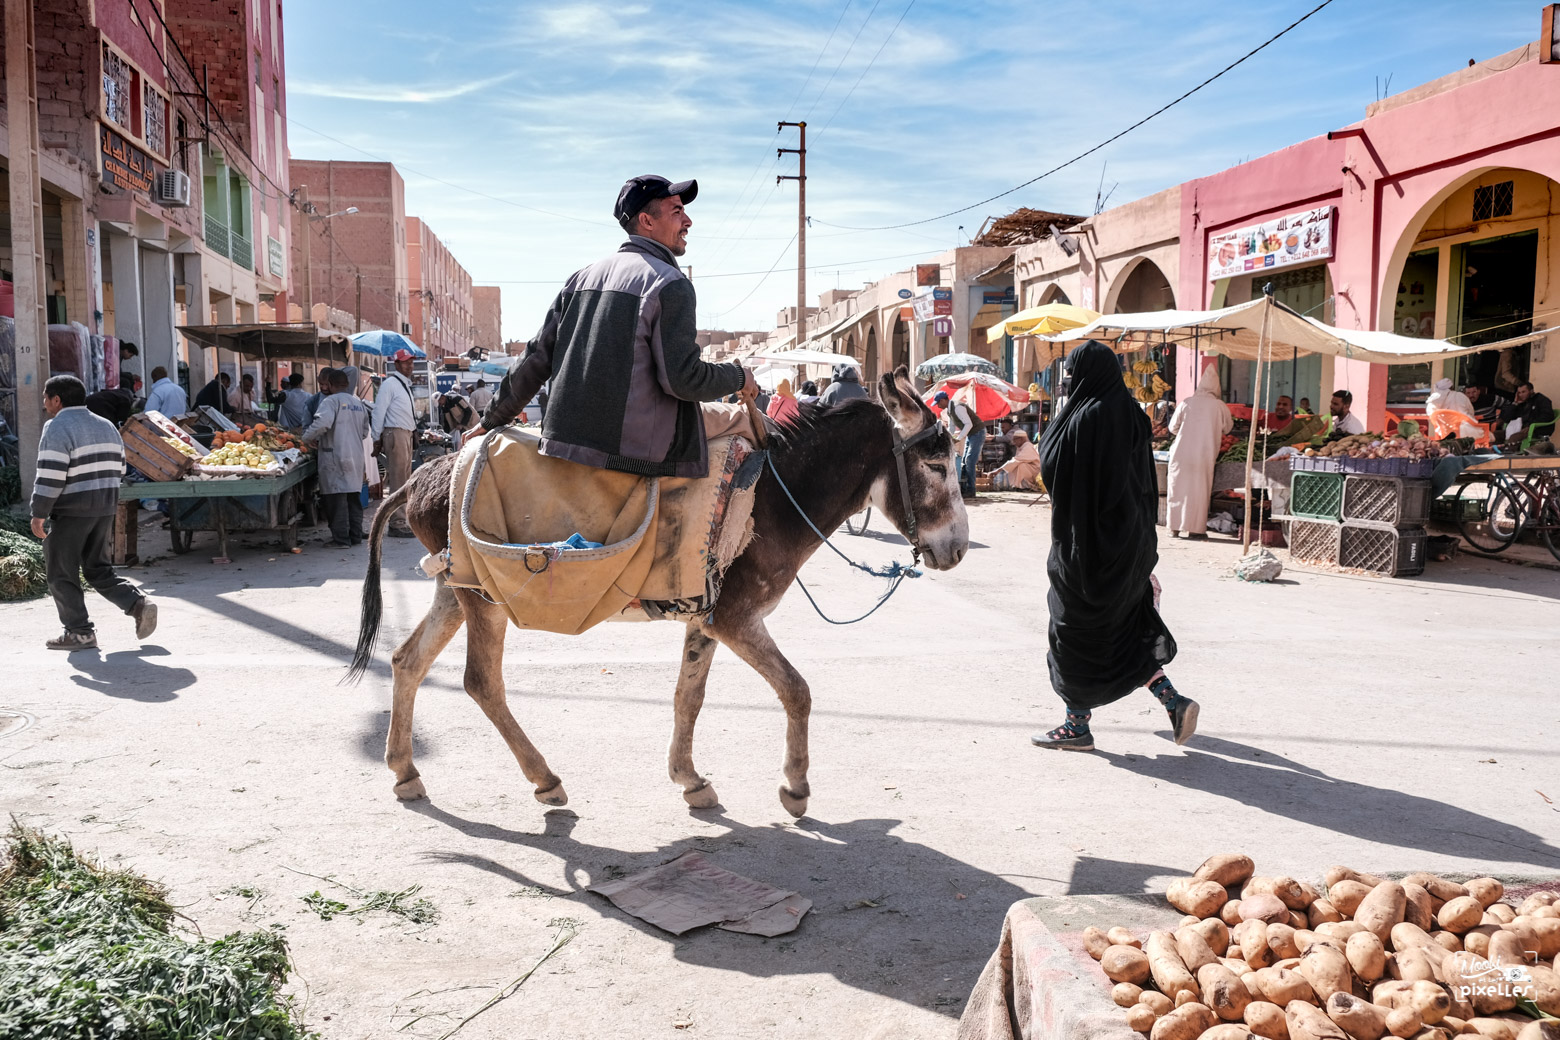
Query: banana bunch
[1160, 386]
[248, 455]
[1145, 367]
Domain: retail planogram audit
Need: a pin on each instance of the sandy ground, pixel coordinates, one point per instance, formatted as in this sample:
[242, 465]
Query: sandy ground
[1385, 724]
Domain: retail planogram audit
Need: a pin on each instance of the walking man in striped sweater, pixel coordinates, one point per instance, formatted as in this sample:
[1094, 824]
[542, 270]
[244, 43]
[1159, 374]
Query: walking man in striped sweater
[80, 462]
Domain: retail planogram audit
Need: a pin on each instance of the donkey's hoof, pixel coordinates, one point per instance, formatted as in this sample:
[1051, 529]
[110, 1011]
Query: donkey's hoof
[702, 797]
[554, 795]
[410, 790]
[794, 804]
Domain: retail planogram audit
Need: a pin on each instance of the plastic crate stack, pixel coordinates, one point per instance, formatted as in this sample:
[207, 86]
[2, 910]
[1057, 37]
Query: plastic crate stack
[1372, 520]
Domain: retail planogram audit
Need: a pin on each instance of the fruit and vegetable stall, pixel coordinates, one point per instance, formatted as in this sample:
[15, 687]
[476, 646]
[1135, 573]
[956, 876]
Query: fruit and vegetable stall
[250, 479]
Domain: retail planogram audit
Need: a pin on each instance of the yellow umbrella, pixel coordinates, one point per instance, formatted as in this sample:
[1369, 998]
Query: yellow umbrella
[1045, 320]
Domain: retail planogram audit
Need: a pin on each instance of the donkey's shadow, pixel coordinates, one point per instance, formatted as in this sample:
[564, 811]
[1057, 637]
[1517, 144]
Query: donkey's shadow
[889, 916]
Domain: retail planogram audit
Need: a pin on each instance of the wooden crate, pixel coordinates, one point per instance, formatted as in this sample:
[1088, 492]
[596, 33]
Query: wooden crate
[148, 452]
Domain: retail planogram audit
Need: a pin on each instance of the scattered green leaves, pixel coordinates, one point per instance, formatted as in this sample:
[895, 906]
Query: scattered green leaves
[400, 904]
[325, 906]
[86, 950]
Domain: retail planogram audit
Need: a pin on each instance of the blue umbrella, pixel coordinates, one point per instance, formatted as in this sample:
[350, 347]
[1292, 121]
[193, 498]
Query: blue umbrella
[952, 364]
[384, 343]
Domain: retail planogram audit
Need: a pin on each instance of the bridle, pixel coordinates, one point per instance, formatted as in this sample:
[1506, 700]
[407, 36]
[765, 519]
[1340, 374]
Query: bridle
[902, 445]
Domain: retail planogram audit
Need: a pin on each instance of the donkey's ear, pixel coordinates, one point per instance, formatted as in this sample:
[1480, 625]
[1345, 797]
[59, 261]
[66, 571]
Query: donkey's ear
[902, 403]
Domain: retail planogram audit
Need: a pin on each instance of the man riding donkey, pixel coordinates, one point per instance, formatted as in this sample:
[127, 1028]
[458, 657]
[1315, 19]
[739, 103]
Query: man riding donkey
[629, 390]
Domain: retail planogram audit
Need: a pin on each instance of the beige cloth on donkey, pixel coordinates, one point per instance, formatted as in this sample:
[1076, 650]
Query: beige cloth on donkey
[665, 542]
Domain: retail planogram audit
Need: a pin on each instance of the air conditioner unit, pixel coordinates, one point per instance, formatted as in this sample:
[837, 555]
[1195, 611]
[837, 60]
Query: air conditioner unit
[172, 188]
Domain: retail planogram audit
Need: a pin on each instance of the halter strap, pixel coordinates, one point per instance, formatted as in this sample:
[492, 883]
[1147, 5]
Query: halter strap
[902, 445]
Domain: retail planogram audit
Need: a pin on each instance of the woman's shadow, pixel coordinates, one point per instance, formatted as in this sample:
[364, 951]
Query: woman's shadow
[1278, 785]
[889, 916]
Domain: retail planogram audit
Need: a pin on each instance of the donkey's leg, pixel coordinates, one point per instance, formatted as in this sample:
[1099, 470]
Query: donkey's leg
[698, 653]
[408, 667]
[486, 626]
[752, 642]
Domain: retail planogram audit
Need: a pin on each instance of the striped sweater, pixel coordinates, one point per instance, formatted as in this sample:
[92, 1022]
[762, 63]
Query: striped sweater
[80, 462]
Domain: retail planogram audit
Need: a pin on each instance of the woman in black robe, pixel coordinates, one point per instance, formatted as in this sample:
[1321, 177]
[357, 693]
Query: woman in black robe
[1106, 635]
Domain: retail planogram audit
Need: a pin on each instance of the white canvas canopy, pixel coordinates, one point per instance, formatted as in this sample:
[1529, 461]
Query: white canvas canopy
[805, 357]
[1237, 332]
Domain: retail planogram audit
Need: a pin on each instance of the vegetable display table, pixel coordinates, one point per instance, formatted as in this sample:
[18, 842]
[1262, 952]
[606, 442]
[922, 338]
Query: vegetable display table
[238, 504]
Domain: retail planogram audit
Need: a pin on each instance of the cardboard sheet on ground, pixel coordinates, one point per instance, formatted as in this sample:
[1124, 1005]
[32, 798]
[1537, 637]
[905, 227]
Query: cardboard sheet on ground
[690, 892]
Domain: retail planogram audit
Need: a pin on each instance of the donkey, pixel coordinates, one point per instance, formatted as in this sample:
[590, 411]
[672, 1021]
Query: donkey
[834, 460]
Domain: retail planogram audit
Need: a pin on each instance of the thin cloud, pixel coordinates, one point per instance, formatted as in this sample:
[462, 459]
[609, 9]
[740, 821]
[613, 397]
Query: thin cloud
[393, 94]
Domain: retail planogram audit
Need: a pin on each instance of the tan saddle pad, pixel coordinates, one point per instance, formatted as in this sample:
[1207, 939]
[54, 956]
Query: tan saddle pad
[661, 544]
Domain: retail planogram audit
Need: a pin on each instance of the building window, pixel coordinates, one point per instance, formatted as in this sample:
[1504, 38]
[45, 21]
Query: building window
[156, 108]
[119, 91]
[1493, 200]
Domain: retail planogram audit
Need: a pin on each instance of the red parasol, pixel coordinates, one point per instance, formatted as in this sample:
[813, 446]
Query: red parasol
[991, 397]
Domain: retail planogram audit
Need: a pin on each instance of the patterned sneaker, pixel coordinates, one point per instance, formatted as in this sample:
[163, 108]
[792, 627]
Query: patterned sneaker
[145, 614]
[1071, 735]
[69, 641]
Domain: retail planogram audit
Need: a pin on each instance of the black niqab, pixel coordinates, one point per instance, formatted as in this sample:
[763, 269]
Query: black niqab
[1106, 637]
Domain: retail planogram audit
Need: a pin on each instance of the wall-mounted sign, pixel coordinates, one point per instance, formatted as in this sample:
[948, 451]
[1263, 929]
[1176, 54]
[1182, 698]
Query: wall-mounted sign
[923, 308]
[124, 165]
[905, 294]
[942, 294]
[928, 274]
[1298, 238]
[942, 326]
[907, 313]
[942, 306]
[444, 382]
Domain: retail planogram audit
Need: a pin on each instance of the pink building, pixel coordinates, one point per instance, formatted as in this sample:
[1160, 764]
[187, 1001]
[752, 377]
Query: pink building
[1434, 216]
[440, 293]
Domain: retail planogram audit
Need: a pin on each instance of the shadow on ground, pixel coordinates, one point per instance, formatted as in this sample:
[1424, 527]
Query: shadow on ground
[1284, 787]
[129, 675]
[890, 916]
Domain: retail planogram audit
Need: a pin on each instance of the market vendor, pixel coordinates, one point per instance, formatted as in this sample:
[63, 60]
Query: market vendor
[1022, 468]
[1486, 402]
[340, 429]
[1445, 398]
[1344, 422]
[1199, 426]
[1526, 408]
[1282, 415]
[241, 402]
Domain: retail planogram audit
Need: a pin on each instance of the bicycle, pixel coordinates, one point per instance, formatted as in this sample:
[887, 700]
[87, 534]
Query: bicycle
[1501, 507]
[858, 524]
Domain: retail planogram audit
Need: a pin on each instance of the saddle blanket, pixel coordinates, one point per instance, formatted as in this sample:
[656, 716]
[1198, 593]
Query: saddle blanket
[662, 543]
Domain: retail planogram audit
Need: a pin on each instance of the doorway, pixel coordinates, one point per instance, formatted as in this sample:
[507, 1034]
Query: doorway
[1494, 282]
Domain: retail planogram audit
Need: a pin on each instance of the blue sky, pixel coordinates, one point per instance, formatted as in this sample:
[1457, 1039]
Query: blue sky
[515, 124]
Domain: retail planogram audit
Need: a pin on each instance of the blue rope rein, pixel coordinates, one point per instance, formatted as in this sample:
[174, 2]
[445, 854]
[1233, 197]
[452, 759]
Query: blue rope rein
[895, 572]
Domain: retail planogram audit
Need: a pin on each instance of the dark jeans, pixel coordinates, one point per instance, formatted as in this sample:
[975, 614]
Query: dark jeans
[972, 449]
[344, 513]
[79, 545]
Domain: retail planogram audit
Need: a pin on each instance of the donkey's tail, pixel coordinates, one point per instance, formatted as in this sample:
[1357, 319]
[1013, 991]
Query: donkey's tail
[373, 597]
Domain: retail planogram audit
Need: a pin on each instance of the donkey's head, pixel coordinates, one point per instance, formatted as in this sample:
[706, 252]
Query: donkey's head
[927, 508]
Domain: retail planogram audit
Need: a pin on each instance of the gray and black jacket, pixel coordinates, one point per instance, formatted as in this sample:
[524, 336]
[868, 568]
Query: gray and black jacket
[620, 348]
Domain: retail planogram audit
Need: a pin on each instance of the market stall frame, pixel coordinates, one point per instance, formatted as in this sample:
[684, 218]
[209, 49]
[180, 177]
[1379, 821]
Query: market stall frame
[282, 497]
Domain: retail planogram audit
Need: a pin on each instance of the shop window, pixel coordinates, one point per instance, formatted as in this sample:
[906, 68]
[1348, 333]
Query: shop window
[119, 79]
[1493, 200]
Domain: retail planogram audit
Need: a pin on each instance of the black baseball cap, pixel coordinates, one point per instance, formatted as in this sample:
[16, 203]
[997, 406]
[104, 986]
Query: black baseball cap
[639, 192]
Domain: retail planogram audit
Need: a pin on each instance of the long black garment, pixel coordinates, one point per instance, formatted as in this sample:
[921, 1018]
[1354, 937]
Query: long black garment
[1097, 463]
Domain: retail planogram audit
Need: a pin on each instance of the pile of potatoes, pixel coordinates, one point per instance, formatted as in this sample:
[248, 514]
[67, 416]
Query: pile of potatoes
[1274, 958]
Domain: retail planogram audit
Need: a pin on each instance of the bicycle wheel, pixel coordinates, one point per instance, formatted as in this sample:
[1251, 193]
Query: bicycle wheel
[858, 524]
[1501, 521]
[1549, 527]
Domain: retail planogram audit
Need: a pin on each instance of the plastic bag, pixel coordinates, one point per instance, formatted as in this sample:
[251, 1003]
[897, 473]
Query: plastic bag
[1258, 565]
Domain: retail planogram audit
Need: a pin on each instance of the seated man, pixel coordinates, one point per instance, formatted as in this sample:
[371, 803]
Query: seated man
[1022, 469]
[1282, 415]
[1526, 408]
[1344, 422]
[1486, 402]
[619, 344]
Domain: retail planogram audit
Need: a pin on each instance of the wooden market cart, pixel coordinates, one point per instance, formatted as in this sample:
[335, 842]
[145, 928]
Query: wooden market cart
[224, 506]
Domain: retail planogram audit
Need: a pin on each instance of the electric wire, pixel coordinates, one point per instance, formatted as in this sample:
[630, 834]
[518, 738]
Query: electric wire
[1109, 140]
[843, 59]
[868, 69]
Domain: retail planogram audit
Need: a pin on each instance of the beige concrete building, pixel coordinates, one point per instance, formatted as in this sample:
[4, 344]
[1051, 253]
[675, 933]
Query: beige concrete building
[440, 292]
[487, 308]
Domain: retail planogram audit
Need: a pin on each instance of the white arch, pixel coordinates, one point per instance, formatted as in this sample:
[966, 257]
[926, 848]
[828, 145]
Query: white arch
[1119, 283]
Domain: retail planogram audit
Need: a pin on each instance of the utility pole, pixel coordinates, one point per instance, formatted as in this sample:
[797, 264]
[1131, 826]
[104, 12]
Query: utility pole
[306, 297]
[32, 343]
[357, 311]
[801, 221]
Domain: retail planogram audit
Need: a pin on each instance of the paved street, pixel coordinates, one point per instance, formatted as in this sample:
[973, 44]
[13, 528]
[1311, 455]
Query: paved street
[1392, 725]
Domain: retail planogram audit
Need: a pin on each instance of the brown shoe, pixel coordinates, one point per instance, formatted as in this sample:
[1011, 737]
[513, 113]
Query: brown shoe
[69, 641]
[145, 614]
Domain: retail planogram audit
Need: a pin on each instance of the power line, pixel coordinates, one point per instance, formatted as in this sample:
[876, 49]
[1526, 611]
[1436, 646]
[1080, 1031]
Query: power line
[803, 88]
[843, 58]
[837, 266]
[757, 284]
[448, 184]
[868, 69]
[1109, 140]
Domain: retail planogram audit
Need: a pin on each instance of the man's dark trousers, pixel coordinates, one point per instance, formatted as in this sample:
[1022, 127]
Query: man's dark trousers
[80, 545]
[344, 513]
